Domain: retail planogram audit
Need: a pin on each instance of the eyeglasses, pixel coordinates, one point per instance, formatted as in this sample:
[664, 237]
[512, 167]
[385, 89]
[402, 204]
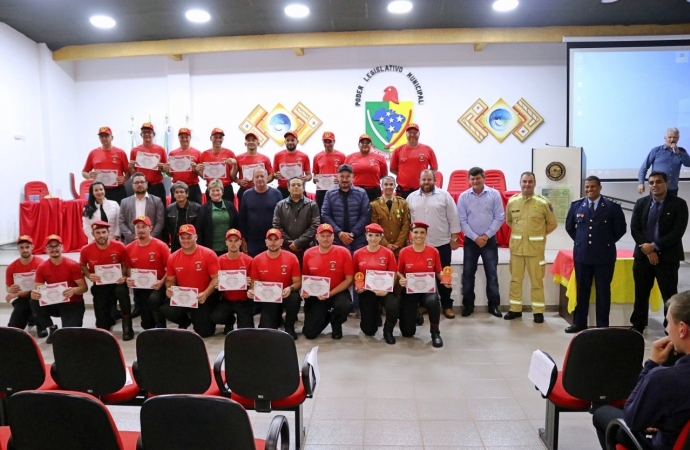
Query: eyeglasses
[53, 247]
[138, 182]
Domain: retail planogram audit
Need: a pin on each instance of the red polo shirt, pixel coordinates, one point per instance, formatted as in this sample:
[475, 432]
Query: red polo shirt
[328, 163]
[67, 271]
[278, 270]
[193, 270]
[336, 264]
[112, 159]
[244, 262]
[381, 259]
[285, 157]
[91, 256]
[152, 176]
[245, 159]
[367, 170]
[409, 162]
[222, 155]
[152, 256]
[190, 178]
[411, 261]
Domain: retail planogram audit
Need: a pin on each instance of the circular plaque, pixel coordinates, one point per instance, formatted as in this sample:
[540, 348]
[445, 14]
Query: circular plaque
[555, 171]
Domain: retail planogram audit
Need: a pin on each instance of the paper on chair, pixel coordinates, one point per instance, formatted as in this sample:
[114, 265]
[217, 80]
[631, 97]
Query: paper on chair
[540, 371]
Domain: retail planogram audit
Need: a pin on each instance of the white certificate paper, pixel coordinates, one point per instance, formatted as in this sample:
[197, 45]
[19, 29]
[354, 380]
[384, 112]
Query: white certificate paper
[147, 160]
[214, 170]
[180, 163]
[421, 283]
[291, 170]
[324, 182]
[25, 281]
[541, 369]
[316, 286]
[109, 273]
[248, 170]
[107, 177]
[144, 278]
[268, 292]
[184, 297]
[379, 280]
[52, 294]
[232, 280]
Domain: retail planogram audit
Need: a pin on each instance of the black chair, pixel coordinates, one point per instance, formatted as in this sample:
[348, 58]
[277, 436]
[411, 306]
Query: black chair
[21, 367]
[600, 368]
[262, 373]
[682, 443]
[183, 422]
[49, 420]
[90, 360]
[172, 361]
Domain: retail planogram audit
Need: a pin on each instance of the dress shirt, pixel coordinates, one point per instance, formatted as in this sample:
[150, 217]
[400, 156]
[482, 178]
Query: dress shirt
[436, 209]
[140, 205]
[480, 214]
[112, 210]
[596, 202]
[663, 159]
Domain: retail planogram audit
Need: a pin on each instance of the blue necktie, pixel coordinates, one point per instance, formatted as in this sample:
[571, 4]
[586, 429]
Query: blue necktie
[652, 232]
[591, 208]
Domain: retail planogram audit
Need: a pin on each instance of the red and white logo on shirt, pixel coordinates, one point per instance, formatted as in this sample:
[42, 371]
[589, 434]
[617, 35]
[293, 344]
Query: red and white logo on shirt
[430, 263]
[152, 256]
[283, 269]
[372, 162]
[332, 264]
[421, 157]
[115, 161]
[114, 257]
[197, 264]
[382, 261]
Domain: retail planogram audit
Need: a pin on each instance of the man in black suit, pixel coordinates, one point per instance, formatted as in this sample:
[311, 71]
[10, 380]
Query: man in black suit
[657, 226]
[595, 223]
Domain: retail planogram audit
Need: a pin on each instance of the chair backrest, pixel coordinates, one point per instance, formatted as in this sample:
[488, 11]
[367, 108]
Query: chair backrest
[21, 363]
[439, 179]
[459, 181]
[34, 191]
[182, 422]
[48, 420]
[171, 361]
[88, 360]
[602, 365]
[84, 188]
[261, 364]
[496, 179]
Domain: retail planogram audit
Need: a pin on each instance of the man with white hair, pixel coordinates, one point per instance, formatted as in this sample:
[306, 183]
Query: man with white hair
[667, 158]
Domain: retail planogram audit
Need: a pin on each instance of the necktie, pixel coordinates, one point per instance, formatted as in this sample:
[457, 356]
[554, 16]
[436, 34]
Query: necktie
[652, 232]
[591, 208]
[389, 203]
[104, 218]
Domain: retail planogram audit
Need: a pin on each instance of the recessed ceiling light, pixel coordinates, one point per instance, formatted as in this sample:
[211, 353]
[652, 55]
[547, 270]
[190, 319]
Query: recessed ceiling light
[102, 21]
[400, 7]
[609, 1]
[505, 5]
[296, 11]
[197, 15]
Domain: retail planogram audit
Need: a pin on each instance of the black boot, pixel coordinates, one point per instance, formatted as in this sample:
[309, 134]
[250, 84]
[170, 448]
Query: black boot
[127, 331]
[51, 330]
[290, 329]
[337, 332]
[436, 340]
[420, 319]
[41, 332]
[388, 337]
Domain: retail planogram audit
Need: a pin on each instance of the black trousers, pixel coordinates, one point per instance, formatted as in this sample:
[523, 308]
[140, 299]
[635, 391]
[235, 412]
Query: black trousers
[404, 193]
[644, 273]
[445, 253]
[150, 301]
[601, 419]
[104, 298]
[199, 318]
[222, 314]
[271, 313]
[21, 312]
[159, 191]
[319, 313]
[369, 309]
[71, 314]
[228, 194]
[194, 194]
[116, 193]
[408, 311]
[372, 192]
[602, 274]
[320, 196]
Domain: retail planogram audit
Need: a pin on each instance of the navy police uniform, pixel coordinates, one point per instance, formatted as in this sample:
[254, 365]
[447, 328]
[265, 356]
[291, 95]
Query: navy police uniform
[595, 230]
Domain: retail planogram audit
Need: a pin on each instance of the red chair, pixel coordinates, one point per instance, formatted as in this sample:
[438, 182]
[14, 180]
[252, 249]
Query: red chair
[459, 181]
[682, 443]
[34, 191]
[84, 188]
[495, 178]
[439, 179]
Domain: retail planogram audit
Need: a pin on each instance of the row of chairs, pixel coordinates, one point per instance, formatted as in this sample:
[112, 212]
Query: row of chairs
[258, 368]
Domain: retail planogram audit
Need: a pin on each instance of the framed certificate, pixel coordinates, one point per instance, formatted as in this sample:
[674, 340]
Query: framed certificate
[379, 280]
[109, 273]
[248, 170]
[316, 286]
[180, 163]
[421, 283]
[184, 297]
[291, 170]
[147, 160]
[144, 278]
[25, 281]
[324, 182]
[232, 280]
[107, 177]
[268, 292]
[52, 294]
[214, 170]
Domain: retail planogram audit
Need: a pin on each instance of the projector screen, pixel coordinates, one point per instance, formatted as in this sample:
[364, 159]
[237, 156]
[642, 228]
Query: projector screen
[622, 98]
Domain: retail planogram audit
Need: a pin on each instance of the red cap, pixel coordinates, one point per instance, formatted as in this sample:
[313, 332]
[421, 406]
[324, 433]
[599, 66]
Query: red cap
[414, 225]
[246, 136]
[186, 131]
[217, 131]
[324, 227]
[142, 219]
[364, 136]
[374, 228]
[233, 232]
[328, 135]
[25, 238]
[413, 126]
[274, 232]
[53, 237]
[99, 224]
[147, 126]
[187, 229]
[290, 133]
[105, 130]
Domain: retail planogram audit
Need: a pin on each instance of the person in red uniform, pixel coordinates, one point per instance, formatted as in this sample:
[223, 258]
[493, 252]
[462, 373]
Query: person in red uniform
[234, 302]
[196, 267]
[148, 253]
[419, 258]
[26, 264]
[376, 257]
[59, 270]
[408, 161]
[250, 160]
[334, 262]
[191, 178]
[367, 168]
[290, 156]
[154, 177]
[278, 266]
[108, 157]
[217, 153]
[327, 162]
[101, 252]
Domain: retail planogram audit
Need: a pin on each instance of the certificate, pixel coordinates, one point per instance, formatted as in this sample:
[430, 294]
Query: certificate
[109, 273]
[180, 163]
[316, 286]
[25, 281]
[184, 297]
[144, 278]
[147, 160]
[52, 294]
[324, 182]
[291, 170]
[248, 170]
[232, 280]
[214, 170]
[268, 292]
[107, 177]
[421, 283]
[379, 280]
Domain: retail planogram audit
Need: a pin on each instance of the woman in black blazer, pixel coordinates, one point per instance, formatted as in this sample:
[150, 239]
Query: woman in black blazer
[215, 218]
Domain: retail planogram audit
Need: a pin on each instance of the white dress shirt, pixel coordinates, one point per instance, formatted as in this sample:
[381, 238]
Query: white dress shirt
[140, 205]
[436, 209]
[112, 210]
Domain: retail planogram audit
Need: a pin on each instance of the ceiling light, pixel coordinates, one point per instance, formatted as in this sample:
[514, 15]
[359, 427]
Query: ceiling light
[609, 1]
[505, 5]
[400, 7]
[296, 11]
[102, 21]
[197, 15]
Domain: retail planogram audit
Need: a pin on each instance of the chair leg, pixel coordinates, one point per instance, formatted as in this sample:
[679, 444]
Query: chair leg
[549, 434]
[299, 428]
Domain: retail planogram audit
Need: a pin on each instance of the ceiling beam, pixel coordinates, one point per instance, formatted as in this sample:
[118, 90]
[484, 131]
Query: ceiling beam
[301, 41]
[479, 47]
[298, 51]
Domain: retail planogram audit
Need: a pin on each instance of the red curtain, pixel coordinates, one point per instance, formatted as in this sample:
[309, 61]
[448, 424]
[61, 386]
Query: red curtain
[53, 216]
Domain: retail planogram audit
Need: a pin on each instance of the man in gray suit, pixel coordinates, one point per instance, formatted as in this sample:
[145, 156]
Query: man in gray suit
[141, 204]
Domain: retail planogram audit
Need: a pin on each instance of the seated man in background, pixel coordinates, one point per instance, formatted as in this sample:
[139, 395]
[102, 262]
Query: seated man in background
[20, 299]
